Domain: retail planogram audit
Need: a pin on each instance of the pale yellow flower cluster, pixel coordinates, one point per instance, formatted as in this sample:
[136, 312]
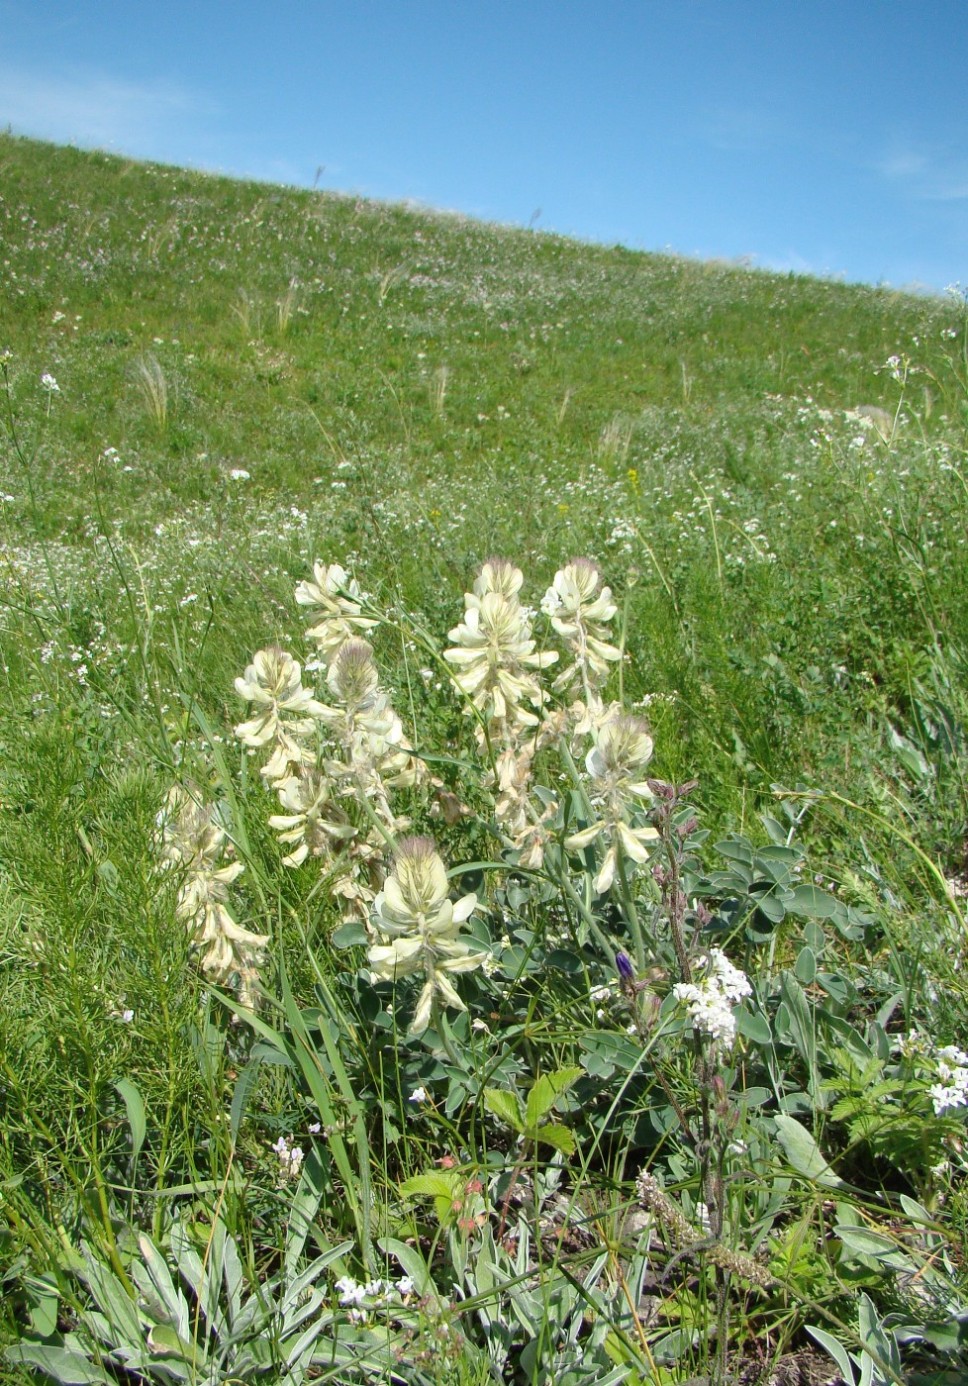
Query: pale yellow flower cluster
[285, 712]
[616, 766]
[579, 609]
[193, 842]
[495, 656]
[335, 610]
[419, 929]
[365, 727]
[333, 763]
[494, 652]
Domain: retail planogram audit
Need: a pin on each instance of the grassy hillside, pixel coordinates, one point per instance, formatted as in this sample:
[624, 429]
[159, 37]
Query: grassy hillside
[212, 385]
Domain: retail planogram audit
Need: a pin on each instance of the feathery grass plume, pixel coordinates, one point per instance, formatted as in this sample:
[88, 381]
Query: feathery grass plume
[194, 842]
[335, 610]
[154, 388]
[285, 715]
[420, 928]
[616, 767]
[285, 307]
[244, 309]
[616, 438]
[389, 279]
[438, 388]
[493, 651]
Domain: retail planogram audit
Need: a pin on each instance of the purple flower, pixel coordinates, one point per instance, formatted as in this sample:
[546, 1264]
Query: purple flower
[624, 965]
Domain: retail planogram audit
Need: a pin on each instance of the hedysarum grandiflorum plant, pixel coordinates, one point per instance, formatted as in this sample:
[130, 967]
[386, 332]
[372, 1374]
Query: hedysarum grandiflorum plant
[338, 759]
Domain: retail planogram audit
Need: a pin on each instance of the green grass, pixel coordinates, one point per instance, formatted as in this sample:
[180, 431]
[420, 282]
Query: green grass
[253, 378]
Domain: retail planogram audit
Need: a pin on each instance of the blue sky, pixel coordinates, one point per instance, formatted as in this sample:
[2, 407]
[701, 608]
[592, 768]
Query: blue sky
[823, 136]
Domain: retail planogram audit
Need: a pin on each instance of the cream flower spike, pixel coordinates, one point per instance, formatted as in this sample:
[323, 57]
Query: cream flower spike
[286, 712]
[194, 841]
[616, 765]
[334, 600]
[496, 575]
[413, 912]
[579, 608]
[493, 650]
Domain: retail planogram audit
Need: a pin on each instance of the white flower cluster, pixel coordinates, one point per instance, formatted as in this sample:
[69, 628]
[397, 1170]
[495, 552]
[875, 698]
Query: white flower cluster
[948, 1065]
[354, 1294]
[952, 1090]
[712, 1001]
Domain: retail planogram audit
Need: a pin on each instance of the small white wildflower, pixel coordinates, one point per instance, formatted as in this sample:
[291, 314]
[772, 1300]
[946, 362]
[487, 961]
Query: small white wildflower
[290, 1158]
[127, 1016]
[711, 1001]
[350, 1290]
[418, 1095]
[239, 474]
[49, 383]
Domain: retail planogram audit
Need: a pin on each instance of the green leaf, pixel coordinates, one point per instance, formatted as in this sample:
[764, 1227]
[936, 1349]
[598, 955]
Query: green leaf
[60, 1363]
[809, 902]
[506, 1106]
[917, 1212]
[165, 1341]
[545, 1093]
[753, 1026]
[151, 1274]
[836, 1350]
[557, 1136]
[443, 1186]
[135, 1107]
[412, 1263]
[772, 906]
[349, 935]
[806, 966]
[804, 1153]
[864, 1241]
[43, 1302]
[736, 849]
[795, 1022]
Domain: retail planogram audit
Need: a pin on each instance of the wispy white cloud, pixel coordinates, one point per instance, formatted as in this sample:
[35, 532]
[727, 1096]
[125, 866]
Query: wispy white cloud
[741, 129]
[930, 173]
[94, 108]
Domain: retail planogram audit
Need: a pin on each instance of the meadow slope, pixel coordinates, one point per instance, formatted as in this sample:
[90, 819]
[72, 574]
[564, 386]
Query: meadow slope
[210, 386]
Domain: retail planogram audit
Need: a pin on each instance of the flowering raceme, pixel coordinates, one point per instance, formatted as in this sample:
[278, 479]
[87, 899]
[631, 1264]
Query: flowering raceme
[313, 823]
[285, 711]
[579, 609]
[616, 767]
[193, 841]
[493, 651]
[363, 723]
[334, 600]
[421, 926]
